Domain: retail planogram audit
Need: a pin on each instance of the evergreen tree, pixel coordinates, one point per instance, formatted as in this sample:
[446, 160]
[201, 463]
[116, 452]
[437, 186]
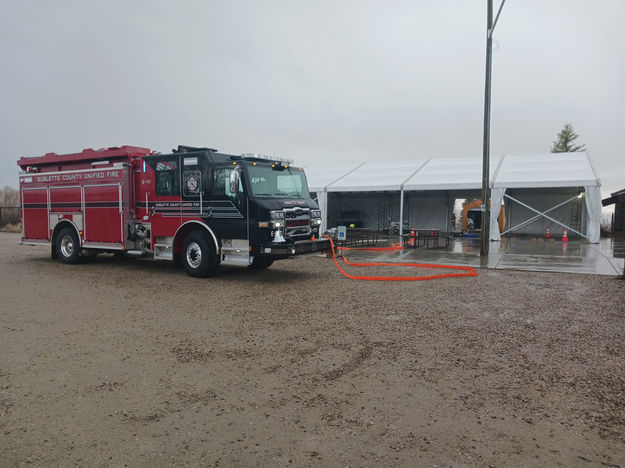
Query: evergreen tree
[565, 142]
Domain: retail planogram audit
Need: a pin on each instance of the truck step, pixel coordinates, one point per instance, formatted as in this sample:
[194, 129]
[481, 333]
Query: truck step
[134, 253]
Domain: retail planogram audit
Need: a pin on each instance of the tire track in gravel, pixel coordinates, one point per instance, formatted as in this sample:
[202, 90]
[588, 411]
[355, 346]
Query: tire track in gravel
[358, 360]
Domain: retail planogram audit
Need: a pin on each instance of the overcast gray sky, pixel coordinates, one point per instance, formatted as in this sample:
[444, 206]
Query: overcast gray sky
[311, 80]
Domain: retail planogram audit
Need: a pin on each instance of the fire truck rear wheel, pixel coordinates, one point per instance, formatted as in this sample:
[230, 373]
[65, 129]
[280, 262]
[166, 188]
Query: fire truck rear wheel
[198, 255]
[67, 245]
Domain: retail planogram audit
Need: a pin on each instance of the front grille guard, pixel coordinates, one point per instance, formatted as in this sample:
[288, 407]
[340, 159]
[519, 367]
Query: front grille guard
[293, 226]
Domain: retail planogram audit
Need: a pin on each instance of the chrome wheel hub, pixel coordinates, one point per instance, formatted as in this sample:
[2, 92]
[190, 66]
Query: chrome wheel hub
[194, 254]
[67, 246]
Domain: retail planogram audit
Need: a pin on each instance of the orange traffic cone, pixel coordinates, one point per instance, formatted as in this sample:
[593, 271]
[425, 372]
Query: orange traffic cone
[548, 236]
[565, 237]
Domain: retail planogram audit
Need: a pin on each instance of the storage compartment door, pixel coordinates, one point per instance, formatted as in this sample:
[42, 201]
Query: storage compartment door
[65, 199]
[103, 214]
[35, 204]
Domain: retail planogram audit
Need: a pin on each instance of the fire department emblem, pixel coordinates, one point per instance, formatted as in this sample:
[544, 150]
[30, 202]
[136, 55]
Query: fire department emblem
[192, 184]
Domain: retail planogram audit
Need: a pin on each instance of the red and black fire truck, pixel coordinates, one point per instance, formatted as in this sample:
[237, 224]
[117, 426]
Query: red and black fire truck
[195, 206]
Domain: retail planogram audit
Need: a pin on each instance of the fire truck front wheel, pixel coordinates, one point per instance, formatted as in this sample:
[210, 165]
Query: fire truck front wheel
[67, 245]
[198, 255]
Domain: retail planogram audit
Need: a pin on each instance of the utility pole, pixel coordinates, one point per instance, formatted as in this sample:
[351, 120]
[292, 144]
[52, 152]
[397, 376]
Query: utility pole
[485, 232]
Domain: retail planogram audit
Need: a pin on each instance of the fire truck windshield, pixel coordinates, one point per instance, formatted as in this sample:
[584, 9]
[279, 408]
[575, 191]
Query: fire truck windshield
[269, 183]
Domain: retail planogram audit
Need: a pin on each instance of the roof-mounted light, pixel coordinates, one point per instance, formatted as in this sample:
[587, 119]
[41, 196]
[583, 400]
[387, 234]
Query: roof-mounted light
[266, 158]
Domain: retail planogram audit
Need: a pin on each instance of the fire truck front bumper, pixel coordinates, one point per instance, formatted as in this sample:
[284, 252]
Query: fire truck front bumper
[291, 249]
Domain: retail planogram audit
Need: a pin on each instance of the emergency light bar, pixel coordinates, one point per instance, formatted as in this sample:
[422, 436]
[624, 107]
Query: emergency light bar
[266, 158]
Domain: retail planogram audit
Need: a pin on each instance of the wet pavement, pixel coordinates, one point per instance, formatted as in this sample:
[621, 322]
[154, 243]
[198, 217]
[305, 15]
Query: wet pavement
[535, 254]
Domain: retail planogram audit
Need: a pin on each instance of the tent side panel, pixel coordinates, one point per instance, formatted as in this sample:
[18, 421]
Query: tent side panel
[572, 214]
[429, 210]
[371, 210]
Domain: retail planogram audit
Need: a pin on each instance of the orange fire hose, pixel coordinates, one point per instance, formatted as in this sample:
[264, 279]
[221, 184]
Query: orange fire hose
[469, 270]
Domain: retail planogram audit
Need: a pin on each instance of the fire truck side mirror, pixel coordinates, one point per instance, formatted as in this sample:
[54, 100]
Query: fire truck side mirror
[235, 176]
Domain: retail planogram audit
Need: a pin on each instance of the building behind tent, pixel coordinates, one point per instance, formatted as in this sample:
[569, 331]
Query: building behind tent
[618, 221]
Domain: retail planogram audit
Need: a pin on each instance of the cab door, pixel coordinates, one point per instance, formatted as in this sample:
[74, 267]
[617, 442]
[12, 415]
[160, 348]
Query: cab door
[226, 211]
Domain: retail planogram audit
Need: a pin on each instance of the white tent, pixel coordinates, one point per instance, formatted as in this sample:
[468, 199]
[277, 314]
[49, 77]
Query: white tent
[446, 175]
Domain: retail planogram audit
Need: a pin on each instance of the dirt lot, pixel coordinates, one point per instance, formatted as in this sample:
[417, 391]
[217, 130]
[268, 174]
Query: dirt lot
[125, 362]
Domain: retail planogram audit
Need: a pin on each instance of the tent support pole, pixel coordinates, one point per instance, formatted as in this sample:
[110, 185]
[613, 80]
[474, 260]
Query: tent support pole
[401, 213]
[324, 211]
[485, 229]
[484, 233]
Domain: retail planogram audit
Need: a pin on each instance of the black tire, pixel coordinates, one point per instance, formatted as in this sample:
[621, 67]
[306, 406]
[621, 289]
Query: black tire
[260, 263]
[198, 255]
[67, 245]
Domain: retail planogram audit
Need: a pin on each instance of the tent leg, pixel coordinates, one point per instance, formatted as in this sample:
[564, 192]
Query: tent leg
[323, 206]
[401, 214]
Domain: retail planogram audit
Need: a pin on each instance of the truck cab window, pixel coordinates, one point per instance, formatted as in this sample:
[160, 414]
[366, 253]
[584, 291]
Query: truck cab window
[265, 182]
[221, 184]
[167, 178]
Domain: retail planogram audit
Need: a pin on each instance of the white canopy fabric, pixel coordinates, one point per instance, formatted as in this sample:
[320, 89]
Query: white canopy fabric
[531, 171]
[320, 176]
[449, 174]
[383, 175]
[496, 199]
[545, 170]
[593, 206]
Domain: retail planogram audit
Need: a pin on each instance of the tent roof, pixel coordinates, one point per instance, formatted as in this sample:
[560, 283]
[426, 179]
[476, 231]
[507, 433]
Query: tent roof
[546, 170]
[450, 174]
[383, 175]
[322, 175]
[543, 170]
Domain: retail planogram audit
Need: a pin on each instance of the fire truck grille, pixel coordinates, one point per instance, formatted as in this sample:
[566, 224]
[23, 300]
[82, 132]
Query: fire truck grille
[297, 223]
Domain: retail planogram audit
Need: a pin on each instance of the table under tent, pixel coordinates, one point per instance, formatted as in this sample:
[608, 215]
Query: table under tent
[538, 192]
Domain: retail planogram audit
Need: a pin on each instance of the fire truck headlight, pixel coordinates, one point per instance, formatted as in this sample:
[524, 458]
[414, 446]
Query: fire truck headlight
[276, 224]
[276, 214]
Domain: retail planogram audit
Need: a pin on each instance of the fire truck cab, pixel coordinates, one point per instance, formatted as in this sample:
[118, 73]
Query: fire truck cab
[195, 206]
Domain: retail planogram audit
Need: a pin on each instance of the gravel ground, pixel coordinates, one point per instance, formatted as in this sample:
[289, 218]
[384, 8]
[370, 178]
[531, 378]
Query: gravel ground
[124, 362]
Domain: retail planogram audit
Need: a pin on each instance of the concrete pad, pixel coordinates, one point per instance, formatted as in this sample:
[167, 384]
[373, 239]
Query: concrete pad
[534, 254]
